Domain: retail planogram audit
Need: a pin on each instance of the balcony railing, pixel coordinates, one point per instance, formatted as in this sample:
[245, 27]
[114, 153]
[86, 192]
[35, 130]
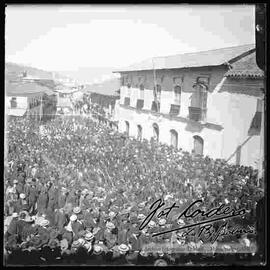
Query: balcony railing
[175, 109]
[155, 106]
[127, 101]
[197, 114]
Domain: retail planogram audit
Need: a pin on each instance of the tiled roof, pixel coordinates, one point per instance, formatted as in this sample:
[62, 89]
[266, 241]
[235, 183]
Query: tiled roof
[246, 67]
[199, 59]
[25, 89]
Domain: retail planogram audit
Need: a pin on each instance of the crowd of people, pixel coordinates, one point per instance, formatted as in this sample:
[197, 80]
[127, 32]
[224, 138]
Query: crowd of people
[77, 191]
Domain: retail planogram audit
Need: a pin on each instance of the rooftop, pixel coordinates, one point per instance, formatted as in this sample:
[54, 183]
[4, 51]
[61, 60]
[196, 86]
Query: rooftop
[246, 67]
[26, 89]
[198, 59]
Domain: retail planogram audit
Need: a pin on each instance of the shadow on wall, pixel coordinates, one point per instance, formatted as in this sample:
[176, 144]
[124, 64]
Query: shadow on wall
[191, 127]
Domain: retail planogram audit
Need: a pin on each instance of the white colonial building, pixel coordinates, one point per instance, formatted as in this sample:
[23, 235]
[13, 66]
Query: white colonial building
[207, 102]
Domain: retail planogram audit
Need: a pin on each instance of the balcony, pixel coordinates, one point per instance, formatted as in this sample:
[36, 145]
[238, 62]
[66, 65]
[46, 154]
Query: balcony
[140, 104]
[175, 109]
[155, 106]
[197, 114]
[127, 101]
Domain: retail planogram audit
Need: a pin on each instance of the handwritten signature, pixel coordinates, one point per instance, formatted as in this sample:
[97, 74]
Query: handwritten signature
[219, 213]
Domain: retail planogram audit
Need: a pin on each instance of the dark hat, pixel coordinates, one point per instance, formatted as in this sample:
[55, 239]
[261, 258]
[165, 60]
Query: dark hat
[53, 243]
[45, 237]
[36, 241]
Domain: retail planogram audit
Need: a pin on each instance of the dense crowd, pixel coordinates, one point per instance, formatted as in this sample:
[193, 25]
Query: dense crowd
[77, 191]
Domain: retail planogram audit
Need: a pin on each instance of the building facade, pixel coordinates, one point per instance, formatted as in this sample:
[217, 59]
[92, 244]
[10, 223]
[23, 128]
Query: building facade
[29, 99]
[191, 102]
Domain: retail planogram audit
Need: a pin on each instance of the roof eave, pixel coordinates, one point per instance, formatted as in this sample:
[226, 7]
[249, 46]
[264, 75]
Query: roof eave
[134, 70]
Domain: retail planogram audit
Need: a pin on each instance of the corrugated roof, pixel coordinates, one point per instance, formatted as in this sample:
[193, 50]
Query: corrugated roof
[199, 59]
[26, 89]
[246, 67]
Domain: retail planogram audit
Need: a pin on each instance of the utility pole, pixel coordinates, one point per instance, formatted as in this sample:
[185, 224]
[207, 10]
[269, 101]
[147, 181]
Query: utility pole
[155, 85]
[40, 109]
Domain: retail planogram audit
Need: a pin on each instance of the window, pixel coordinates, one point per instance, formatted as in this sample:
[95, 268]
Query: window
[178, 80]
[203, 79]
[174, 138]
[155, 132]
[139, 132]
[127, 127]
[198, 145]
[177, 95]
[198, 104]
[13, 102]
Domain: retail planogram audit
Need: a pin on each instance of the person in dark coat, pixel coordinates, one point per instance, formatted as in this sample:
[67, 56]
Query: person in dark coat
[42, 201]
[60, 220]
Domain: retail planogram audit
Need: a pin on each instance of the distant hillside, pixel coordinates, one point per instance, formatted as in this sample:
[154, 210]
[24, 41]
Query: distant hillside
[12, 71]
[108, 87]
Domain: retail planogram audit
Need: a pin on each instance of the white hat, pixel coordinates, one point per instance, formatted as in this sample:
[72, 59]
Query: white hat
[15, 181]
[22, 196]
[111, 214]
[15, 215]
[141, 216]
[162, 221]
[110, 225]
[180, 222]
[152, 224]
[89, 236]
[87, 245]
[77, 210]
[98, 249]
[44, 222]
[81, 241]
[73, 217]
[123, 248]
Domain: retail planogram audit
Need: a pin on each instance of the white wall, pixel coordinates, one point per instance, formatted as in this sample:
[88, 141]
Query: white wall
[21, 102]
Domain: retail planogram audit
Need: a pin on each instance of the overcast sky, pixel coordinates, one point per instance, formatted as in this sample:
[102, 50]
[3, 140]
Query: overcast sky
[90, 40]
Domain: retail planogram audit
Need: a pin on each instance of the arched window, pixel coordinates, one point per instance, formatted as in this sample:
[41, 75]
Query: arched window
[198, 145]
[139, 132]
[177, 95]
[156, 132]
[127, 127]
[174, 138]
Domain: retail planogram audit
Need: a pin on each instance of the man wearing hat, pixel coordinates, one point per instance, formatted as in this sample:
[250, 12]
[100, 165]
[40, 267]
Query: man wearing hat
[42, 201]
[62, 197]
[32, 197]
[12, 228]
[77, 226]
[21, 204]
[60, 219]
[109, 237]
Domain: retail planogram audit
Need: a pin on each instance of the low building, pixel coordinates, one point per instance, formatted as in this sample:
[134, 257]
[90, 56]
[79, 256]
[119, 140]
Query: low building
[191, 101]
[29, 99]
